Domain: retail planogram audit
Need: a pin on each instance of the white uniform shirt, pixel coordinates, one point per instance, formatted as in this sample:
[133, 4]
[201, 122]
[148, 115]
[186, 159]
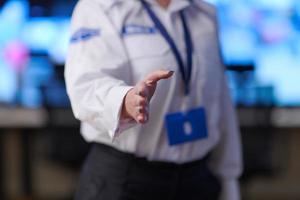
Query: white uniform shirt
[115, 45]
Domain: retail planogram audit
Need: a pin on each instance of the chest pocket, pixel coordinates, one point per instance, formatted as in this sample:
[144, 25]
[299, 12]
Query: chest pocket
[147, 53]
[146, 46]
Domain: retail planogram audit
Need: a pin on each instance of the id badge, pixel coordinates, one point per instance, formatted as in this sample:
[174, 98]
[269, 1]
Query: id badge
[186, 127]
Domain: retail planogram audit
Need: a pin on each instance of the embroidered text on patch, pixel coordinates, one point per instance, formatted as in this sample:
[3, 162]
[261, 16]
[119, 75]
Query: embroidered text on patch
[84, 34]
[137, 29]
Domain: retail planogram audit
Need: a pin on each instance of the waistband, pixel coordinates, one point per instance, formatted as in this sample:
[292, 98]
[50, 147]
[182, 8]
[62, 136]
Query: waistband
[144, 162]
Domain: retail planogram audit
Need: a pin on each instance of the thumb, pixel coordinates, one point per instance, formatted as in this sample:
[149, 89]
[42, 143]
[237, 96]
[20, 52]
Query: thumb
[155, 76]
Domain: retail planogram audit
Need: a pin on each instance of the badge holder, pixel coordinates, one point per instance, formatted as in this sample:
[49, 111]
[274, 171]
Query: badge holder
[186, 127]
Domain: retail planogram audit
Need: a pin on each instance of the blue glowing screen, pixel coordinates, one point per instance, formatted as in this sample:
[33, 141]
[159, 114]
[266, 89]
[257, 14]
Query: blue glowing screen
[265, 34]
[261, 33]
[32, 48]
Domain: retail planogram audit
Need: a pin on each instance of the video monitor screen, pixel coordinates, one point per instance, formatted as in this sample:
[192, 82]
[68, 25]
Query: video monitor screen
[260, 40]
[33, 49]
[266, 35]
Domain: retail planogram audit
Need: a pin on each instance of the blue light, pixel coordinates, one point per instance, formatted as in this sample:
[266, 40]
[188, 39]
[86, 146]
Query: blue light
[40, 33]
[282, 5]
[8, 84]
[49, 35]
[58, 50]
[263, 32]
[12, 17]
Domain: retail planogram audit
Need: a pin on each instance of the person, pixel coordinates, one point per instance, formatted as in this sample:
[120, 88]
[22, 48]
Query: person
[146, 79]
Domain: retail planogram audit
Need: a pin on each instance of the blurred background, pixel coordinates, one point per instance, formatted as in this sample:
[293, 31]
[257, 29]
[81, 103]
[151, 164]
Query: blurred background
[41, 150]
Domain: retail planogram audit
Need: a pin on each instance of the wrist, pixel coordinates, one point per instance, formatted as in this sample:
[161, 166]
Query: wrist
[125, 114]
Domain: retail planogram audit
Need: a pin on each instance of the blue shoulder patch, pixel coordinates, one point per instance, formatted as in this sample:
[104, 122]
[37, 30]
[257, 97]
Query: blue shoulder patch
[84, 34]
[137, 29]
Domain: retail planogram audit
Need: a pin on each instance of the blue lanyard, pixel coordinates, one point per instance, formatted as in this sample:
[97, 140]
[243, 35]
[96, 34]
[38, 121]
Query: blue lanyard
[185, 71]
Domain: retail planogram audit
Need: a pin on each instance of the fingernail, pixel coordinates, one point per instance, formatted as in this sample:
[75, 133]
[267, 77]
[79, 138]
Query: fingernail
[171, 72]
[140, 119]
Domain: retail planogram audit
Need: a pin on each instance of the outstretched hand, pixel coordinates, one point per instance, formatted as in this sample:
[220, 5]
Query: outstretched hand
[136, 102]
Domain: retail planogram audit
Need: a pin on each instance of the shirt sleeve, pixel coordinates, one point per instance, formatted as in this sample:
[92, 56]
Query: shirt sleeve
[97, 71]
[226, 158]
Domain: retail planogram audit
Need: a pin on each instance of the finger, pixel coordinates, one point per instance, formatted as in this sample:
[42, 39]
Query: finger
[142, 119]
[142, 110]
[142, 90]
[142, 114]
[141, 101]
[155, 76]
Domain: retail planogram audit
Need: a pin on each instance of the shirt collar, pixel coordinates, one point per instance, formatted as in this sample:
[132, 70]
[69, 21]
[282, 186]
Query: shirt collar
[175, 5]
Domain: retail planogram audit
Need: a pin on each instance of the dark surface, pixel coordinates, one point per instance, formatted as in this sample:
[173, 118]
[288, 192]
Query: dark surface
[2, 195]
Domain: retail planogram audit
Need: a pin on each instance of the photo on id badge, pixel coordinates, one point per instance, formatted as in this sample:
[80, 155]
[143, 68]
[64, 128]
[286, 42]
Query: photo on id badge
[183, 127]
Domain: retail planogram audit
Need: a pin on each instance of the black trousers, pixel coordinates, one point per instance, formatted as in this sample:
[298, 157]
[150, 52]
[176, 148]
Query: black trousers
[109, 174]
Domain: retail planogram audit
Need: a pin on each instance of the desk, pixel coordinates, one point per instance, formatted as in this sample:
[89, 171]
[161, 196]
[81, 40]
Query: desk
[39, 118]
[27, 121]
[274, 117]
